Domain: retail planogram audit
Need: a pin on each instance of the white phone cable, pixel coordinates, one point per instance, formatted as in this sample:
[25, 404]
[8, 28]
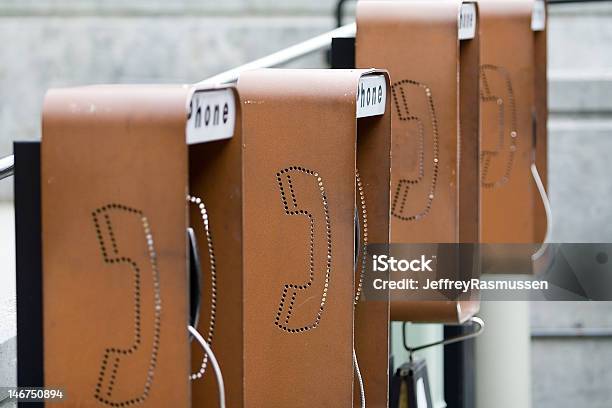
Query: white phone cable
[547, 209]
[360, 379]
[213, 362]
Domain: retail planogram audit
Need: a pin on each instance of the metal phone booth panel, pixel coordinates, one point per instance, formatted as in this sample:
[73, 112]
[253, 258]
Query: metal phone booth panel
[215, 212]
[115, 305]
[299, 161]
[513, 119]
[431, 50]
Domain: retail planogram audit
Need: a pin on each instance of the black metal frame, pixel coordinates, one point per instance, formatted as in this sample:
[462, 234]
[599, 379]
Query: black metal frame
[30, 358]
[459, 370]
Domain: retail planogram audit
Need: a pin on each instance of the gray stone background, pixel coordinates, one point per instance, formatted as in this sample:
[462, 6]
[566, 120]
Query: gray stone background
[54, 43]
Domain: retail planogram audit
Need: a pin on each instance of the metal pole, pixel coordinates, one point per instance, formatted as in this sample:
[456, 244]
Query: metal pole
[284, 56]
[7, 166]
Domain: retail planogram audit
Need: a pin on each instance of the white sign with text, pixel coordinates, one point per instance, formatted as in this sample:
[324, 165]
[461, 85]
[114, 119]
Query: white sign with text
[538, 16]
[467, 21]
[212, 115]
[371, 96]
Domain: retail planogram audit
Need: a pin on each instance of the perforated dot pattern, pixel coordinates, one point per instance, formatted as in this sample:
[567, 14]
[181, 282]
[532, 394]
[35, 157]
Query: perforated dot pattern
[487, 156]
[404, 114]
[291, 207]
[213, 280]
[363, 249]
[113, 355]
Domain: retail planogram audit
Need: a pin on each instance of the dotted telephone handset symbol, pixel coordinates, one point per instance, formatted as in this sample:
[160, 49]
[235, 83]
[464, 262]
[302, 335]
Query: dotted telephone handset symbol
[303, 195]
[414, 190]
[127, 369]
[212, 284]
[499, 125]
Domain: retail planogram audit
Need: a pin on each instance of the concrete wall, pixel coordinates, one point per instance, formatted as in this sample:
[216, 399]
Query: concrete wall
[51, 43]
[575, 372]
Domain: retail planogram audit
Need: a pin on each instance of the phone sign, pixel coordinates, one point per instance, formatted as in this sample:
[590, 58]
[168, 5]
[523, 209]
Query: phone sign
[538, 16]
[371, 96]
[212, 115]
[467, 21]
